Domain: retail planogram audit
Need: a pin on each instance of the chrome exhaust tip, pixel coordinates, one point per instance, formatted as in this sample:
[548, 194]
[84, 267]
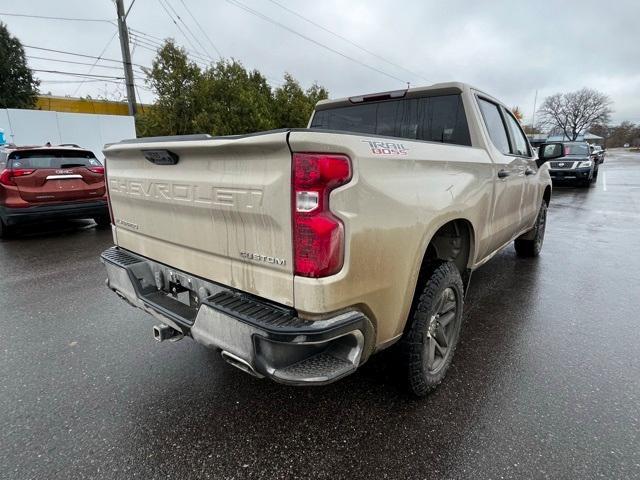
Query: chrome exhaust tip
[165, 332]
[237, 362]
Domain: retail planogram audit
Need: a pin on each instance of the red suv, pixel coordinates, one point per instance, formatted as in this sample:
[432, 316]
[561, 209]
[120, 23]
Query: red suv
[51, 182]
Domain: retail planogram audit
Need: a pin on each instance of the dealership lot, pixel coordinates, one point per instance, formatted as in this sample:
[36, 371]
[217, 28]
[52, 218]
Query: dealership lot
[545, 383]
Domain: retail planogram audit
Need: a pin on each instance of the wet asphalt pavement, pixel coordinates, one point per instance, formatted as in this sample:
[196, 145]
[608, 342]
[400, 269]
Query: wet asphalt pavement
[545, 383]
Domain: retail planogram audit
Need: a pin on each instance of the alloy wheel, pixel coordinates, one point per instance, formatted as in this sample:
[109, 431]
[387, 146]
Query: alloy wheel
[441, 330]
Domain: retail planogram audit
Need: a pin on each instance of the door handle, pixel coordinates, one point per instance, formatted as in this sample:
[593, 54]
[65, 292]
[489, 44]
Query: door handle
[503, 173]
[529, 171]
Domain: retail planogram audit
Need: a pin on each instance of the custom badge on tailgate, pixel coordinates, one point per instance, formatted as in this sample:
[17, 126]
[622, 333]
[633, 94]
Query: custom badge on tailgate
[262, 258]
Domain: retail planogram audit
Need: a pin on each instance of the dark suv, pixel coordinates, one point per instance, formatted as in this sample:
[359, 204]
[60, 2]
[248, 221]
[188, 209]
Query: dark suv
[47, 183]
[577, 165]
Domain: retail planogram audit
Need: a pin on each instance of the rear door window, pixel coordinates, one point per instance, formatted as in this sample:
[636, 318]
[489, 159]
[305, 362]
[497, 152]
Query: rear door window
[495, 125]
[436, 119]
[53, 159]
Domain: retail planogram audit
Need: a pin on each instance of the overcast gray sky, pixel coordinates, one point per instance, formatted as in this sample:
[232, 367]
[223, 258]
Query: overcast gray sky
[508, 48]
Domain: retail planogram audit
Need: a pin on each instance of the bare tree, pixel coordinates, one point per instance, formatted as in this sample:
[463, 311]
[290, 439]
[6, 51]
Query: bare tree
[574, 112]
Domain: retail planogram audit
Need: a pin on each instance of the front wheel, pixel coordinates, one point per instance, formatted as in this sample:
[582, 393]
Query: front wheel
[434, 329]
[530, 244]
[586, 183]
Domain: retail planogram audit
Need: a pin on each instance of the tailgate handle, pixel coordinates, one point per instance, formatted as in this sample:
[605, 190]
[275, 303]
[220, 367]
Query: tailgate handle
[503, 173]
[62, 177]
[161, 157]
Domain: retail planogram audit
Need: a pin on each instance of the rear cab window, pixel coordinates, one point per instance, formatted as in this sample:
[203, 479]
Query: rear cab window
[52, 159]
[439, 118]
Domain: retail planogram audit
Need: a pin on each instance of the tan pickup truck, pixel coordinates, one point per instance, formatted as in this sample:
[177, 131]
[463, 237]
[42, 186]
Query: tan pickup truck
[299, 253]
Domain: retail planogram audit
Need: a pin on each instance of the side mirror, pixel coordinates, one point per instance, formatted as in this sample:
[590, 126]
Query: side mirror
[549, 151]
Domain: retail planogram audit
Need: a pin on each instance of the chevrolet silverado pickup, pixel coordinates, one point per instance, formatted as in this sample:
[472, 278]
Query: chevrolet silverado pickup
[299, 253]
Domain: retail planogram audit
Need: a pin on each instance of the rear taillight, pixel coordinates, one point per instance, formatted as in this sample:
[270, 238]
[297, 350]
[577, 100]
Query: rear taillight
[567, 149]
[99, 170]
[8, 174]
[318, 235]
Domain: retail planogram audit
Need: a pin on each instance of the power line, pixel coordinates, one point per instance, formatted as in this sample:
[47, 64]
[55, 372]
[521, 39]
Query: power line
[155, 50]
[309, 39]
[77, 74]
[201, 29]
[43, 17]
[204, 50]
[158, 42]
[146, 34]
[141, 41]
[346, 40]
[78, 54]
[177, 26]
[151, 43]
[97, 60]
[78, 81]
[72, 62]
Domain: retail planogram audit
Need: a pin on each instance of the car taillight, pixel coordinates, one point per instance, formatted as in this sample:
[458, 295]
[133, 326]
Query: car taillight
[99, 170]
[567, 149]
[318, 235]
[8, 174]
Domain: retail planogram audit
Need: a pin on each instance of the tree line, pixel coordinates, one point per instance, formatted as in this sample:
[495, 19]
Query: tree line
[223, 99]
[619, 135]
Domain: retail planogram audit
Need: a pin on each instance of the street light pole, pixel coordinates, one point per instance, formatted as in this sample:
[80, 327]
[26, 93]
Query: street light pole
[126, 57]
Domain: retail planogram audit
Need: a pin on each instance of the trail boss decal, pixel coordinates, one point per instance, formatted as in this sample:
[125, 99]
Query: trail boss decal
[386, 148]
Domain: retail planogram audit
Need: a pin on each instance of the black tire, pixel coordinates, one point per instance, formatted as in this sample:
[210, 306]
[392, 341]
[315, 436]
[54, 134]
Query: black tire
[531, 247]
[429, 344]
[5, 231]
[587, 182]
[103, 222]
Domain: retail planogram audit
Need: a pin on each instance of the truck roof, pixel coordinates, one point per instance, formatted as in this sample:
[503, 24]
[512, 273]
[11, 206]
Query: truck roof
[443, 88]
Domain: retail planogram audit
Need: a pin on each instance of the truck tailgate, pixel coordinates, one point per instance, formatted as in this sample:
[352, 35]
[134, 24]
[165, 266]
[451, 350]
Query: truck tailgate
[222, 212]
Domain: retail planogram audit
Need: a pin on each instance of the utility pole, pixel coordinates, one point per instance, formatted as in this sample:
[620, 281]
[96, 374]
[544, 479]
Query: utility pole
[126, 56]
[533, 115]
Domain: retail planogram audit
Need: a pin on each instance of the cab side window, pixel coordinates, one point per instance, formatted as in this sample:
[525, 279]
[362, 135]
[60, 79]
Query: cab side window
[520, 145]
[495, 125]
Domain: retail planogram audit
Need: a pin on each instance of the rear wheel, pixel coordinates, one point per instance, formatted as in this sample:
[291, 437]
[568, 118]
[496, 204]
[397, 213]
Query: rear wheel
[530, 244]
[430, 342]
[102, 222]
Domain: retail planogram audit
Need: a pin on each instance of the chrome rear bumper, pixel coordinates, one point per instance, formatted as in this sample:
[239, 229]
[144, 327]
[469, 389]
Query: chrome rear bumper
[257, 336]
